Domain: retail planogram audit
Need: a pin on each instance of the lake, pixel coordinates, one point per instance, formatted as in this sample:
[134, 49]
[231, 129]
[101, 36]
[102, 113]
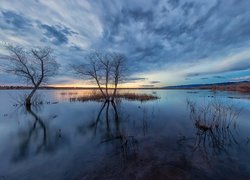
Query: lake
[185, 134]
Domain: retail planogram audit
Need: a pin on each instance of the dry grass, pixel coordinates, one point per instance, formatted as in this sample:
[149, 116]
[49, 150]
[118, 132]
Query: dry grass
[214, 122]
[213, 114]
[126, 96]
[89, 97]
[137, 97]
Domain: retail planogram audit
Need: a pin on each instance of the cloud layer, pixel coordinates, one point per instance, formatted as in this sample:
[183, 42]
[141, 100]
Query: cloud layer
[195, 39]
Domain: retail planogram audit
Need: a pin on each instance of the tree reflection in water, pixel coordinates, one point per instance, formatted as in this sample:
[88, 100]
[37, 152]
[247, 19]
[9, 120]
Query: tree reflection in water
[127, 144]
[110, 145]
[36, 138]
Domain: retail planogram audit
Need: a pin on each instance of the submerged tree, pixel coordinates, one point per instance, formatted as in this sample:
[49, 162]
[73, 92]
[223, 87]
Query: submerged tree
[105, 69]
[35, 66]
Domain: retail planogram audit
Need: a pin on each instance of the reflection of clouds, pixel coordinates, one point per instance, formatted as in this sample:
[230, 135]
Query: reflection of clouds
[111, 125]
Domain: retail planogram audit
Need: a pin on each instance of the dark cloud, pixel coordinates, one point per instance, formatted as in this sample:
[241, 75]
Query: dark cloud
[56, 34]
[193, 74]
[184, 31]
[219, 77]
[147, 86]
[174, 3]
[14, 20]
[134, 79]
[187, 8]
[140, 15]
[155, 82]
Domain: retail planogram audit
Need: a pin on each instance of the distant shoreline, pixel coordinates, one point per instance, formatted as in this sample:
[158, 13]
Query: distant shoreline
[63, 88]
[227, 86]
[243, 86]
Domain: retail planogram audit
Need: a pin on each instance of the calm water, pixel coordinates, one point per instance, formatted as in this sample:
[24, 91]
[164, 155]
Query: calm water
[159, 139]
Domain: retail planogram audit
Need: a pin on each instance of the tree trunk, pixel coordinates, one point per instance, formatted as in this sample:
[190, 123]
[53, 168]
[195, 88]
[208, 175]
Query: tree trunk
[100, 88]
[114, 92]
[28, 99]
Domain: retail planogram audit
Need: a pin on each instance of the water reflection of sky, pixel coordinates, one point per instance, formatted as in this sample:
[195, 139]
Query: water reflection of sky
[143, 139]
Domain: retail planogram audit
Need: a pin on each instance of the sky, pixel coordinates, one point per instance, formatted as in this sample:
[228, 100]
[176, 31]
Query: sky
[166, 42]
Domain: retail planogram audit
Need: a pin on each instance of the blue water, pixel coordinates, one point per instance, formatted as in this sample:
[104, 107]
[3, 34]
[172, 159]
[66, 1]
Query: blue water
[157, 139]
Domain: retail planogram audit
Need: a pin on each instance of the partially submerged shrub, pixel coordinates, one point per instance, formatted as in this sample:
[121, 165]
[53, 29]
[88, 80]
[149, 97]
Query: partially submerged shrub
[128, 96]
[137, 97]
[214, 114]
[214, 121]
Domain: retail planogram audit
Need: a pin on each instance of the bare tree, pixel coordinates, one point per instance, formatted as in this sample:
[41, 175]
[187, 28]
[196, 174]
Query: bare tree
[91, 70]
[106, 69]
[118, 71]
[34, 66]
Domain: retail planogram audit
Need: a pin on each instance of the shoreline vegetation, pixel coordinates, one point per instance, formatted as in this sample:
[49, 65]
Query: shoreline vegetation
[230, 86]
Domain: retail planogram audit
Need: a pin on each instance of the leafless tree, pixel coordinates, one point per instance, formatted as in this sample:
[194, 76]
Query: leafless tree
[118, 71]
[106, 69]
[35, 66]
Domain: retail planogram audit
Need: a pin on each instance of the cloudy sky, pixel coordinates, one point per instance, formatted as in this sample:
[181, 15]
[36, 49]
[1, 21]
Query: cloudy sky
[166, 42]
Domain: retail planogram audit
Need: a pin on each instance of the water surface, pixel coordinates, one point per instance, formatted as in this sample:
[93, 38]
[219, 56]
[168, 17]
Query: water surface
[62, 139]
